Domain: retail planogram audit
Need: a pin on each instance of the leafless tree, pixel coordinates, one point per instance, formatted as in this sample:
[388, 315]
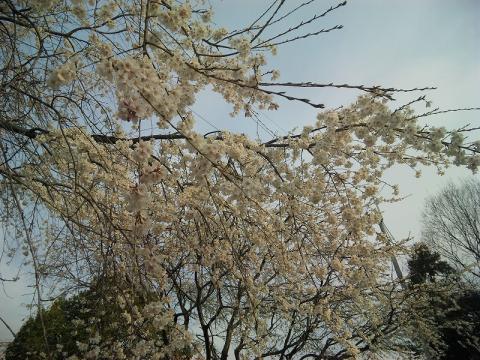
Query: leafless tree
[452, 225]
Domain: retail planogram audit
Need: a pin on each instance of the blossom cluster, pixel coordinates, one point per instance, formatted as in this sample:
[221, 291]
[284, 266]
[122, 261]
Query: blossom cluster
[215, 243]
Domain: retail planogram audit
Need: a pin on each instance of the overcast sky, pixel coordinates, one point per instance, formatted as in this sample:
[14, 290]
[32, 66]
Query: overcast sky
[401, 43]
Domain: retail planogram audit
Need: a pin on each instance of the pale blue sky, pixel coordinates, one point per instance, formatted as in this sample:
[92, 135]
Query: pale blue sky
[402, 44]
[397, 43]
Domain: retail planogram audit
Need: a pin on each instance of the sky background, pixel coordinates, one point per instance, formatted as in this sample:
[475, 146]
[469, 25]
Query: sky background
[393, 43]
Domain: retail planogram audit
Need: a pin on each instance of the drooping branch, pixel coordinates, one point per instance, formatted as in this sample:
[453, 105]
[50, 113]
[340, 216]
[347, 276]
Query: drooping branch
[375, 90]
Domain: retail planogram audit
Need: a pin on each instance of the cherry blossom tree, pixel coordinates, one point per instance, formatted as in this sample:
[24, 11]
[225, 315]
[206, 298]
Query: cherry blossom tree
[236, 248]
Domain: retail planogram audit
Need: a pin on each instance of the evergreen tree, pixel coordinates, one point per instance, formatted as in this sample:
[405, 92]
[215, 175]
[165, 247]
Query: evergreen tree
[456, 313]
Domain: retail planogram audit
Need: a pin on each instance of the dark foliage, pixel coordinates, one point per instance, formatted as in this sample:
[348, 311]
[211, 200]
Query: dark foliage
[67, 321]
[457, 316]
[426, 265]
